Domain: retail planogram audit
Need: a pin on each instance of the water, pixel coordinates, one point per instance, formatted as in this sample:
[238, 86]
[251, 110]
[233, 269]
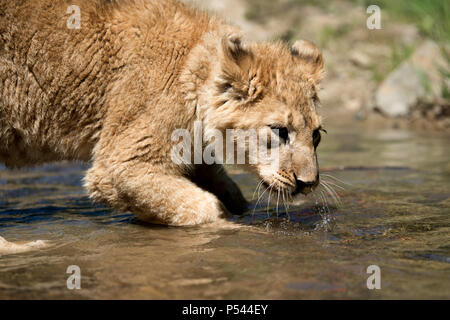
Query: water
[394, 214]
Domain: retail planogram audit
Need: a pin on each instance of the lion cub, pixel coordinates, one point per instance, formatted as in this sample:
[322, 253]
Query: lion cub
[112, 90]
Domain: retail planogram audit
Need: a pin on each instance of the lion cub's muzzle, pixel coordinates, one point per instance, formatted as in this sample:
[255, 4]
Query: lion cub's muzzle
[305, 187]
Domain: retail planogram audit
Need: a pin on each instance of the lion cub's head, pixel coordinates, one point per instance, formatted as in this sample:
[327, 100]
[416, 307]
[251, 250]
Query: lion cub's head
[272, 87]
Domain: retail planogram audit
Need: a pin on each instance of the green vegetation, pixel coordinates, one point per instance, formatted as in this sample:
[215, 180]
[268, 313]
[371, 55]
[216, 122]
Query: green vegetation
[399, 53]
[432, 17]
[328, 33]
[259, 10]
[445, 89]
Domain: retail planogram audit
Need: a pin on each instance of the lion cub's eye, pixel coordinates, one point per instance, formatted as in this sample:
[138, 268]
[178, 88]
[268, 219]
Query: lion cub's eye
[317, 136]
[282, 132]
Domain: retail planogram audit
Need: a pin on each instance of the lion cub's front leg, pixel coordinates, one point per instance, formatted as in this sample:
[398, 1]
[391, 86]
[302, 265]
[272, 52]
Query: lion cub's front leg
[215, 179]
[156, 197]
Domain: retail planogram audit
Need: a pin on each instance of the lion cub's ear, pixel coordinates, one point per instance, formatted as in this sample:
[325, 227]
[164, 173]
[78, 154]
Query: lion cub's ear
[310, 59]
[233, 49]
[235, 64]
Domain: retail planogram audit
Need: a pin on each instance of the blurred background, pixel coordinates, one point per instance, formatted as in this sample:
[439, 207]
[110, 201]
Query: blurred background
[394, 76]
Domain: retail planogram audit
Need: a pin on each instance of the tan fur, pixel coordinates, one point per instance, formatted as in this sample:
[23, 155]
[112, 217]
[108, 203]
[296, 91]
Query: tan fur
[113, 91]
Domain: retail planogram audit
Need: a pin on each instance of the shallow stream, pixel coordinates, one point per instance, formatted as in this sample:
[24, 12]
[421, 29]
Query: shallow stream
[392, 210]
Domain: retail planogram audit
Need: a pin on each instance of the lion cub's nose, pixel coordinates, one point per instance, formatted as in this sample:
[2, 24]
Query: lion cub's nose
[305, 187]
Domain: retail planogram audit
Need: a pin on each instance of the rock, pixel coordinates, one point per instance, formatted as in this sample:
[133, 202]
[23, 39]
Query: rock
[419, 79]
[360, 59]
[430, 63]
[400, 91]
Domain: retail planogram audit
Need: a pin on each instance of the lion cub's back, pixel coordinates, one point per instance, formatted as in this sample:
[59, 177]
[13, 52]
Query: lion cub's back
[51, 82]
[55, 81]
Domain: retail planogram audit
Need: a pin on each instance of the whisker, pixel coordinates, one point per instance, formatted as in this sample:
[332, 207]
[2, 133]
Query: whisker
[322, 207]
[258, 186]
[290, 199]
[259, 198]
[334, 184]
[285, 205]
[326, 209]
[335, 193]
[322, 197]
[334, 178]
[263, 193]
[268, 200]
[328, 221]
[332, 193]
[327, 191]
[315, 194]
[278, 198]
